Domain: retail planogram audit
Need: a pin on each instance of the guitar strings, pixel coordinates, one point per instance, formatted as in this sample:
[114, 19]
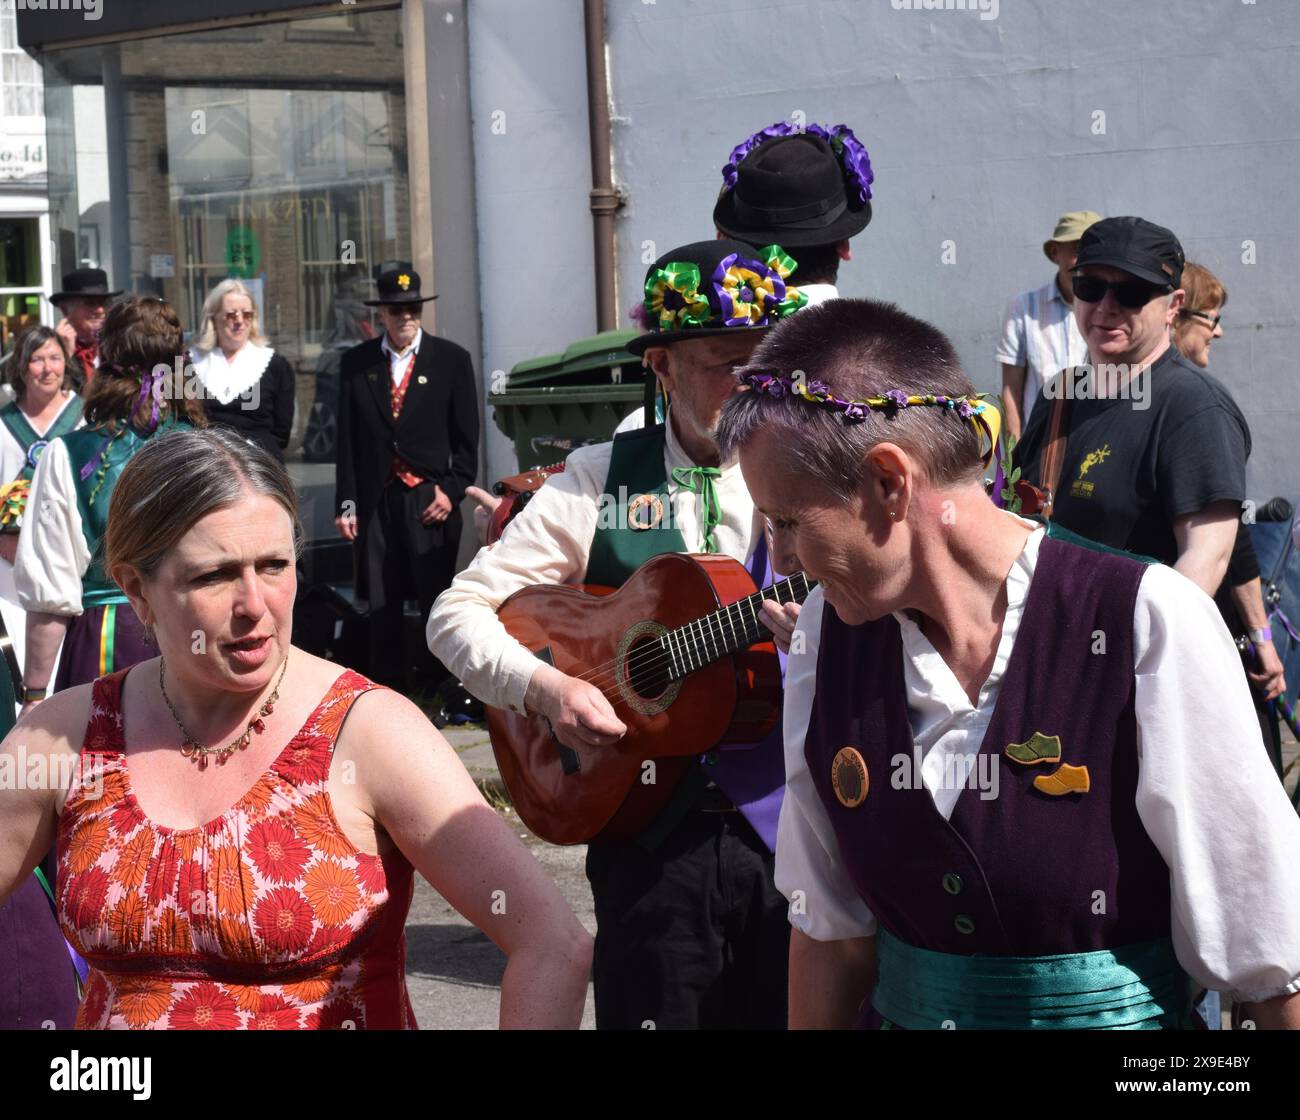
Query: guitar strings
[699, 643]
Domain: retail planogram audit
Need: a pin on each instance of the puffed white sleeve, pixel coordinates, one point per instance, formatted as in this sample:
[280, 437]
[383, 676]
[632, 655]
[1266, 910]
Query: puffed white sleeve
[1210, 800]
[52, 554]
[824, 904]
[549, 542]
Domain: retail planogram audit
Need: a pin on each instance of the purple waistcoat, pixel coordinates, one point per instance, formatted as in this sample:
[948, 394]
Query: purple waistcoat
[753, 775]
[1024, 873]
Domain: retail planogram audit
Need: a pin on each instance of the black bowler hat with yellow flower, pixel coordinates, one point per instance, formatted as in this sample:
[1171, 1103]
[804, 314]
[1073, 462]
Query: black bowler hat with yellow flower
[710, 288]
[400, 284]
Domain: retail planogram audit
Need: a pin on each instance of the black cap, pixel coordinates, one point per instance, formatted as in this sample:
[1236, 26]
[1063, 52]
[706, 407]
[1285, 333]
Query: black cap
[791, 190]
[84, 282]
[710, 288]
[398, 284]
[1141, 248]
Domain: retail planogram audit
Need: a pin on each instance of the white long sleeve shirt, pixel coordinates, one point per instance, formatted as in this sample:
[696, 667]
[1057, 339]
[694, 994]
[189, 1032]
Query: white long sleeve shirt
[1206, 794]
[52, 554]
[549, 543]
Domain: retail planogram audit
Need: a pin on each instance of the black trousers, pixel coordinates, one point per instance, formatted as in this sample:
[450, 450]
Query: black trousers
[692, 935]
[405, 559]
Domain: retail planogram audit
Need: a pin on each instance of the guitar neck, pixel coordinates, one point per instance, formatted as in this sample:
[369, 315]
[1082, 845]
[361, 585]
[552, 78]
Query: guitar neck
[730, 629]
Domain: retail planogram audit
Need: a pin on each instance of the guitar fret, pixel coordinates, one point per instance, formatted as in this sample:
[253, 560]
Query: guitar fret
[726, 614]
[665, 644]
[704, 638]
[675, 640]
[719, 644]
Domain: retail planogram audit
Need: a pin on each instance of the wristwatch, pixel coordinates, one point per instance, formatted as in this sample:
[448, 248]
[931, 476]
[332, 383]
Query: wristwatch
[1265, 635]
[31, 694]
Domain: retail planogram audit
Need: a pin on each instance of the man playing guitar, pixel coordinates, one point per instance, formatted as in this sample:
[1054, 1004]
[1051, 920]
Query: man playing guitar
[691, 930]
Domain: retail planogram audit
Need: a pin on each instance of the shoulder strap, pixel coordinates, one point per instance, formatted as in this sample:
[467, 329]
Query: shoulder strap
[104, 731]
[1054, 445]
[19, 426]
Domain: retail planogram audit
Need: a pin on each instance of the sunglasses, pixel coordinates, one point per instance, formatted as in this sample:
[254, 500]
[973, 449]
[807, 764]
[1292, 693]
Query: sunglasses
[1128, 293]
[233, 317]
[1212, 321]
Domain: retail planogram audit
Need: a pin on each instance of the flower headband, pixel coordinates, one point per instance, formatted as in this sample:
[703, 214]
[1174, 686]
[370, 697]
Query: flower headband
[749, 293]
[985, 419]
[847, 148]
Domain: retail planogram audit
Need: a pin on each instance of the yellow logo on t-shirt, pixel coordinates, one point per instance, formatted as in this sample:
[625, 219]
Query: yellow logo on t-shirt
[1081, 489]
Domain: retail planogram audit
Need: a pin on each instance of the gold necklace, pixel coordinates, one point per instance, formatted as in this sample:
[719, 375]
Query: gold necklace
[195, 751]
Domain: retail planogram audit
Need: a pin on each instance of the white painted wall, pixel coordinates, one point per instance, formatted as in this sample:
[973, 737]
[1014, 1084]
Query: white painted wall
[981, 131]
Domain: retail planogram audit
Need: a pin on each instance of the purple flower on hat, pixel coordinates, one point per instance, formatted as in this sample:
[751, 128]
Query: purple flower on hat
[897, 398]
[741, 150]
[854, 158]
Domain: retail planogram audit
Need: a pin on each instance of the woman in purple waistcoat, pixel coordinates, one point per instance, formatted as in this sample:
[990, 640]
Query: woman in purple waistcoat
[1014, 796]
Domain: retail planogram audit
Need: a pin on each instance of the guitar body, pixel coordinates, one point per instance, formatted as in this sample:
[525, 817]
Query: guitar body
[611, 639]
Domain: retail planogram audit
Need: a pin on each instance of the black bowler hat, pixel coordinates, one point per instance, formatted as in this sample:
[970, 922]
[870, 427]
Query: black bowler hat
[84, 282]
[1138, 247]
[810, 187]
[710, 288]
[400, 284]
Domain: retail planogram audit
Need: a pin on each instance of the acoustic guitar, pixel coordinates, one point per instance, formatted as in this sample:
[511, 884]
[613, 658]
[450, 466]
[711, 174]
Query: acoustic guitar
[682, 655]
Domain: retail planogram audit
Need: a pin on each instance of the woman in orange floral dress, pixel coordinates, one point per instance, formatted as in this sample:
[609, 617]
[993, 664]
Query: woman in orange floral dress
[235, 850]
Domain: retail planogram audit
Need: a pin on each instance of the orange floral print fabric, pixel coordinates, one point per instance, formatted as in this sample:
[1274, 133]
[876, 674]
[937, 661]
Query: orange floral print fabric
[266, 918]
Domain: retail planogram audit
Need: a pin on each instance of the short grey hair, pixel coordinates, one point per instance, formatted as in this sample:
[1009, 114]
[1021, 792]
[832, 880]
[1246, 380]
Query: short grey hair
[861, 348]
[207, 337]
[178, 478]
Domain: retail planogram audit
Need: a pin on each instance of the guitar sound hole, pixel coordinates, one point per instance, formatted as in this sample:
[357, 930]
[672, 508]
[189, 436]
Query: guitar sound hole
[647, 669]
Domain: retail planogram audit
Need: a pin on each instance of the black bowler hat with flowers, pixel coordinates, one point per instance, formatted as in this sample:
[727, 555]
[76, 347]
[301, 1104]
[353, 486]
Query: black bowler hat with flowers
[710, 288]
[399, 284]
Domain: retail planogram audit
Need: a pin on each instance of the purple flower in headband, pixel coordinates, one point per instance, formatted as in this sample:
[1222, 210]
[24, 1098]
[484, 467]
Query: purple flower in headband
[774, 387]
[819, 388]
[965, 410]
[855, 413]
[897, 398]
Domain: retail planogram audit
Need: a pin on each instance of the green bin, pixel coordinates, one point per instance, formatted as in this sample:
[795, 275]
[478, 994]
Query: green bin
[557, 402]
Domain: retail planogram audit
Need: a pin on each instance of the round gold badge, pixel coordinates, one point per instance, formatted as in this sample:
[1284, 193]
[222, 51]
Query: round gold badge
[849, 777]
[645, 511]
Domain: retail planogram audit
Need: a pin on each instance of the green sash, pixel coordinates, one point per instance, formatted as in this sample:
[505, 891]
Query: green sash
[1133, 987]
[94, 494]
[636, 471]
[29, 439]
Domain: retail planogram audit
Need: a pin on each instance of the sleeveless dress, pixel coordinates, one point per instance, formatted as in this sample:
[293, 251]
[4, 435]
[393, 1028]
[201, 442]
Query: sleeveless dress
[266, 917]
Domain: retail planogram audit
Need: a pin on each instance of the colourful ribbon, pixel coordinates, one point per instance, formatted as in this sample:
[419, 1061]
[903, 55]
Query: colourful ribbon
[700, 480]
[672, 297]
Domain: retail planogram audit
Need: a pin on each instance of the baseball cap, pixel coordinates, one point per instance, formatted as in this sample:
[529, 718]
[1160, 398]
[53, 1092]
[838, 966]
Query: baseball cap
[1141, 248]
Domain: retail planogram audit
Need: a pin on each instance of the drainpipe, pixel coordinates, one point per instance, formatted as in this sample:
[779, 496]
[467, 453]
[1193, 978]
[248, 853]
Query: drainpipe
[605, 200]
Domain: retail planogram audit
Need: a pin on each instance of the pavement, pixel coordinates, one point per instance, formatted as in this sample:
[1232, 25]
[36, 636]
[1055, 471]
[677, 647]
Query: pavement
[453, 972]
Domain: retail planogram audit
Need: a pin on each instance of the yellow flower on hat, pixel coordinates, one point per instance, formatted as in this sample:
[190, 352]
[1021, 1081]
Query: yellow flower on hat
[403, 281]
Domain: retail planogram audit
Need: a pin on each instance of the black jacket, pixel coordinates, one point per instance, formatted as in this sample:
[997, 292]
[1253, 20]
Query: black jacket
[437, 434]
[271, 422]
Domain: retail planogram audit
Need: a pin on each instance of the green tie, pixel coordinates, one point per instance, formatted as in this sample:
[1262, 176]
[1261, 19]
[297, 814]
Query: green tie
[700, 480]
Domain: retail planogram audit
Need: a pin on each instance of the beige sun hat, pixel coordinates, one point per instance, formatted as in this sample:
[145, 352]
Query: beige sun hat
[1070, 227]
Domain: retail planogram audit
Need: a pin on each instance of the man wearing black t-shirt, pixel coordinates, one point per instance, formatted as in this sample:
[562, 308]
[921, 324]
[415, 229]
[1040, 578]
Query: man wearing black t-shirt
[1156, 449]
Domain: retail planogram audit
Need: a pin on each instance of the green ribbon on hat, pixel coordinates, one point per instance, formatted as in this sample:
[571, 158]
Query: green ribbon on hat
[700, 480]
